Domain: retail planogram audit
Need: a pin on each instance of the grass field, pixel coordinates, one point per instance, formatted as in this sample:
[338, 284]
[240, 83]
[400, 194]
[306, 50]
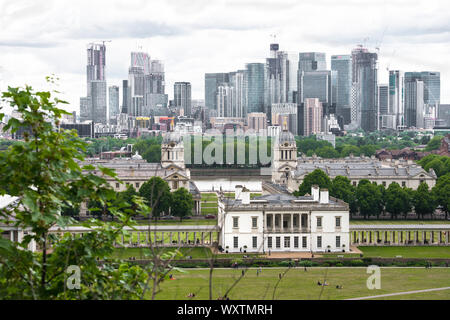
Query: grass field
[406, 252]
[369, 252]
[184, 222]
[298, 284]
[359, 222]
[195, 253]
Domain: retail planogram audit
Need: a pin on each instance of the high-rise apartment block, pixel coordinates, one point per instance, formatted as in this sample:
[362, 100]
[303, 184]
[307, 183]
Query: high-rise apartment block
[93, 106]
[182, 97]
[113, 93]
[312, 116]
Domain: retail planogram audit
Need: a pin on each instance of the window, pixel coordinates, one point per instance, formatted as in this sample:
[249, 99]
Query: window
[403, 184]
[319, 241]
[117, 186]
[128, 184]
[235, 222]
[236, 242]
[338, 222]
[384, 183]
[304, 242]
[295, 242]
[354, 183]
[255, 242]
[287, 242]
[269, 242]
[175, 184]
[338, 241]
[319, 222]
[137, 184]
[254, 222]
[278, 242]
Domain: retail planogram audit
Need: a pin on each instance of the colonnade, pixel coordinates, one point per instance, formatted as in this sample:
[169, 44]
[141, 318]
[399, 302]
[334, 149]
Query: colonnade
[405, 236]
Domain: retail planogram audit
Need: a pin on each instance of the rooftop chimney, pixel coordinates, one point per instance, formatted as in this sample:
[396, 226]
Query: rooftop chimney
[243, 194]
[324, 197]
[237, 192]
[315, 192]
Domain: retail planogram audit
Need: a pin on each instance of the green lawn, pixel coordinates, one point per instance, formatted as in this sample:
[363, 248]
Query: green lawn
[195, 253]
[209, 210]
[406, 252]
[358, 222]
[298, 284]
[184, 222]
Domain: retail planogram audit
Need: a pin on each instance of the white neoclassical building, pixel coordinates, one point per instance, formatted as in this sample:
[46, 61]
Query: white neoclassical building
[283, 223]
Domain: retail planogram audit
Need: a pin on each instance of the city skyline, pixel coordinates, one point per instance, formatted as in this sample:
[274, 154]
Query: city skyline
[407, 38]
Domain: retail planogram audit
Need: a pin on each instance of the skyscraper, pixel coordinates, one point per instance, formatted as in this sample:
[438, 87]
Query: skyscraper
[342, 64]
[277, 81]
[312, 61]
[113, 101]
[255, 87]
[431, 92]
[98, 98]
[140, 59]
[136, 84]
[397, 98]
[237, 81]
[383, 106]
[414, 103]
[125, 96]
[365, 76]
[182, 97]
[212, 81]
[93, 106]
[312, 116]
[293, 69]
[224, 100]
[316, 84]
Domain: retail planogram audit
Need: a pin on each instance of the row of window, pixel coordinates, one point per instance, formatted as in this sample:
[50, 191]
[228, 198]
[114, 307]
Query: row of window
[337, 222]
[286, 242]
[355, 183]
[236, 222]
[255, 222]
[136, 185]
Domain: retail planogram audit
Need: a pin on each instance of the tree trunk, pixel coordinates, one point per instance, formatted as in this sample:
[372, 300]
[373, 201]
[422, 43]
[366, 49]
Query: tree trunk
[44, 263]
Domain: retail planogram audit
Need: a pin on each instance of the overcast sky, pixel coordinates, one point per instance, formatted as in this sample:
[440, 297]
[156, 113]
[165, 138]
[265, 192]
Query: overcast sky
[193, 37]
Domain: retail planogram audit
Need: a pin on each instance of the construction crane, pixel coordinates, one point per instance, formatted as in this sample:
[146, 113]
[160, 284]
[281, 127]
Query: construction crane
[99, 42]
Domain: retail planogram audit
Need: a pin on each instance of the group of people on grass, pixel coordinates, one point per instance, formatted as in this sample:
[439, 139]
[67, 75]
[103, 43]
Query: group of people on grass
[325, 283]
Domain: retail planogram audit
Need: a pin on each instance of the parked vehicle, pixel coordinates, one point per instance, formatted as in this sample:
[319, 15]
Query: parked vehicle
[210, 216]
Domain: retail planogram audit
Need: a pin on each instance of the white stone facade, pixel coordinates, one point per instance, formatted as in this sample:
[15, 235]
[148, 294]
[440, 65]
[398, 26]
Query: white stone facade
[284, 223]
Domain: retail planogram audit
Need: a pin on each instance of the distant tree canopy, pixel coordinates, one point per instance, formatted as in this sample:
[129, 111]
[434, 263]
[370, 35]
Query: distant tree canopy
[317, 177]
[149, 148]
[157, 195]
[440, 164]
[434, 143]
[182, 203]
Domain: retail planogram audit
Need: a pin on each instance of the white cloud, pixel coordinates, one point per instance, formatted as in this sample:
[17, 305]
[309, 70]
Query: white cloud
[193, 37]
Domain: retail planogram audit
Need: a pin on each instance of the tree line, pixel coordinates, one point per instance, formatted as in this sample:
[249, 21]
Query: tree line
[157, 196]
[370, 199]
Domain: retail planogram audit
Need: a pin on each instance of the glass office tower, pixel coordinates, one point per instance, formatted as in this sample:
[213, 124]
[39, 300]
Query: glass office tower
[342, 64]
[255, 78]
